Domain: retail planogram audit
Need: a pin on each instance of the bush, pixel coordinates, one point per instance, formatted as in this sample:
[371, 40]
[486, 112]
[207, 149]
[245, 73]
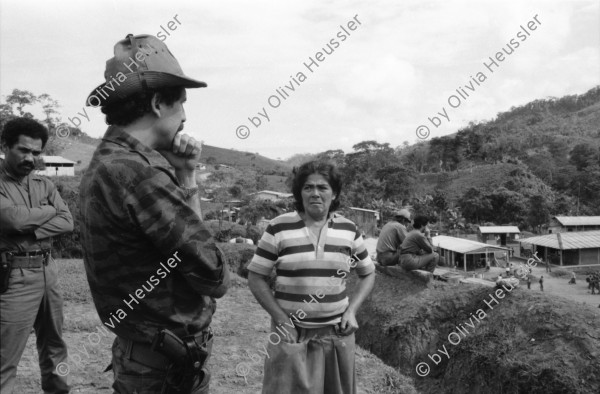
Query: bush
[238, 257]
[254, 233]
[212, 215]
[69, 245]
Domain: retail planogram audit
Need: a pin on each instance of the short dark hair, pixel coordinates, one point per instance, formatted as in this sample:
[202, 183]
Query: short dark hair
[420, 221]
[328, 170]
[126, 111]
[23, 126]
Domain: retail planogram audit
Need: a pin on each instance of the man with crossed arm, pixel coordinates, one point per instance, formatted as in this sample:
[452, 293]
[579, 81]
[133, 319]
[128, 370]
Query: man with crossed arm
[31, 213]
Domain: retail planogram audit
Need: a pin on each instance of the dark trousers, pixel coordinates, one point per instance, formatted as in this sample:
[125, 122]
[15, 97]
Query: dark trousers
[389, 258]
[426, 262]
[32, 301]
[134, 377]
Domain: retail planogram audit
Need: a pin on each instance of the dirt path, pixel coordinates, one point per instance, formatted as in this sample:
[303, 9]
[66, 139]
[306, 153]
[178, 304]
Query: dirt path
[552, 285]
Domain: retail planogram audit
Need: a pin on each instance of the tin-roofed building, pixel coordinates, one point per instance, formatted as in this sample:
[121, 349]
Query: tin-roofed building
[573, 248]
[564, 224]
[271, 195]
[55, 166]
[498, 234]
[365, 219]
[459, 251]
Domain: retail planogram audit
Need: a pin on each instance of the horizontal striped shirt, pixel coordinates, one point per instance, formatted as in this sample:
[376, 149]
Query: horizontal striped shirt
[311, 273]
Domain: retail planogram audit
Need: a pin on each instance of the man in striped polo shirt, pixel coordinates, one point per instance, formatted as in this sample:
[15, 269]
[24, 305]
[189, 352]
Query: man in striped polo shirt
[311, 347]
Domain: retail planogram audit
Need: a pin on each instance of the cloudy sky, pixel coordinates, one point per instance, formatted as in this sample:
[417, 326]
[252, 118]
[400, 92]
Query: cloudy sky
[397, 68]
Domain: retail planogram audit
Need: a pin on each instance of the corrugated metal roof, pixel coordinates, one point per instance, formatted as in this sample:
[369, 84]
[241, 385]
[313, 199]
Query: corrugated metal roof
[56, 159]
[51, 159]
[363, 209]
[278, 194]
[574, 240]
[499, 229]
[578, 220]
[461, 245]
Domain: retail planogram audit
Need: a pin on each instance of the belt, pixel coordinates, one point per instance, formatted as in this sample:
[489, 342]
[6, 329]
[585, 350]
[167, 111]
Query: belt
[35, 259]
[142, 352]
[32, 253]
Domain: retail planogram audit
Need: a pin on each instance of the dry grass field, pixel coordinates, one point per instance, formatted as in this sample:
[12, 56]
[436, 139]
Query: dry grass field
[240, 326]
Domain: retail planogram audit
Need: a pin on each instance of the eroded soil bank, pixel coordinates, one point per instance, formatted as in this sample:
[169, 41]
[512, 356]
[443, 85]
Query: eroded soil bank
[473, 341]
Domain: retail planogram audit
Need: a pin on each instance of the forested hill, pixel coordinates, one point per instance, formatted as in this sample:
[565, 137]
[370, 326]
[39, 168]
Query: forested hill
[529, 163]
[537, 133]
[553, 146]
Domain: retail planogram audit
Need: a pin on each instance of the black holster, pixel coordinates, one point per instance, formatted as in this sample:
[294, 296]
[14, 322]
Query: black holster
[5, 268]
[187, 356]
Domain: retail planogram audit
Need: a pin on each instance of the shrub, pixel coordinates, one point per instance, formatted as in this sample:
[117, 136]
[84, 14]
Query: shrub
[238, 257]
[254, 233]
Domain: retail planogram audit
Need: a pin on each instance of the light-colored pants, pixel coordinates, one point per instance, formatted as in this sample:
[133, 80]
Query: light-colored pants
[32, 300]
[426, 262]
[321, 362]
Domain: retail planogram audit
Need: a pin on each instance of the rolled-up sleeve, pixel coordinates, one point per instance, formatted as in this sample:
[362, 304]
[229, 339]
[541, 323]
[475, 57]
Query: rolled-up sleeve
[60, 223]
[20, 219]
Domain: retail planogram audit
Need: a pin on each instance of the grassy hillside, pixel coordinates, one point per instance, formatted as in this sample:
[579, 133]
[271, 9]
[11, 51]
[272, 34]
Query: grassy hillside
[82, 149]
[483, 177]
[236, 158]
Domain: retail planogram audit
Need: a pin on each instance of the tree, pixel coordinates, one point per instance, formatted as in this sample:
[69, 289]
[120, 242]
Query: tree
[211, 160]
[397, 181]
[507, 206]
[261, 182]
[255, 209]
[49, 106]
[475, 206]
[583, 156]
[440, 203]
[538, 213]
[21, 98]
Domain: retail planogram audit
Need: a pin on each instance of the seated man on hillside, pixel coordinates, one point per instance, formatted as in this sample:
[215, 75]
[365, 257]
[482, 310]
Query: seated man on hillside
[416, 252]
[391, 237]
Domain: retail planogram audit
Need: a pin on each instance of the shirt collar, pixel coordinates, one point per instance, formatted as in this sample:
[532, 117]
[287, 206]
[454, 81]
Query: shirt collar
[7, 174]
[119, 136]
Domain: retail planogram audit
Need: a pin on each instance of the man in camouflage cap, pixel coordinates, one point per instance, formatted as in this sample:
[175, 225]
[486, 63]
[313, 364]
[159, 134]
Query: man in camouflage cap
[152, 264]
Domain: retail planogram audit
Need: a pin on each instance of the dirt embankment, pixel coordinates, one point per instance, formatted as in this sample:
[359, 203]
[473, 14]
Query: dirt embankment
[467, 339]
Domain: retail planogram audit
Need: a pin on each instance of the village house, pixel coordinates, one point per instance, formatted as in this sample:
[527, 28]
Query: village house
[456, 252]
[271, 195]
[564, 224]
[365, 219]
[55, 166]
[567, 248]
[499, 235]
